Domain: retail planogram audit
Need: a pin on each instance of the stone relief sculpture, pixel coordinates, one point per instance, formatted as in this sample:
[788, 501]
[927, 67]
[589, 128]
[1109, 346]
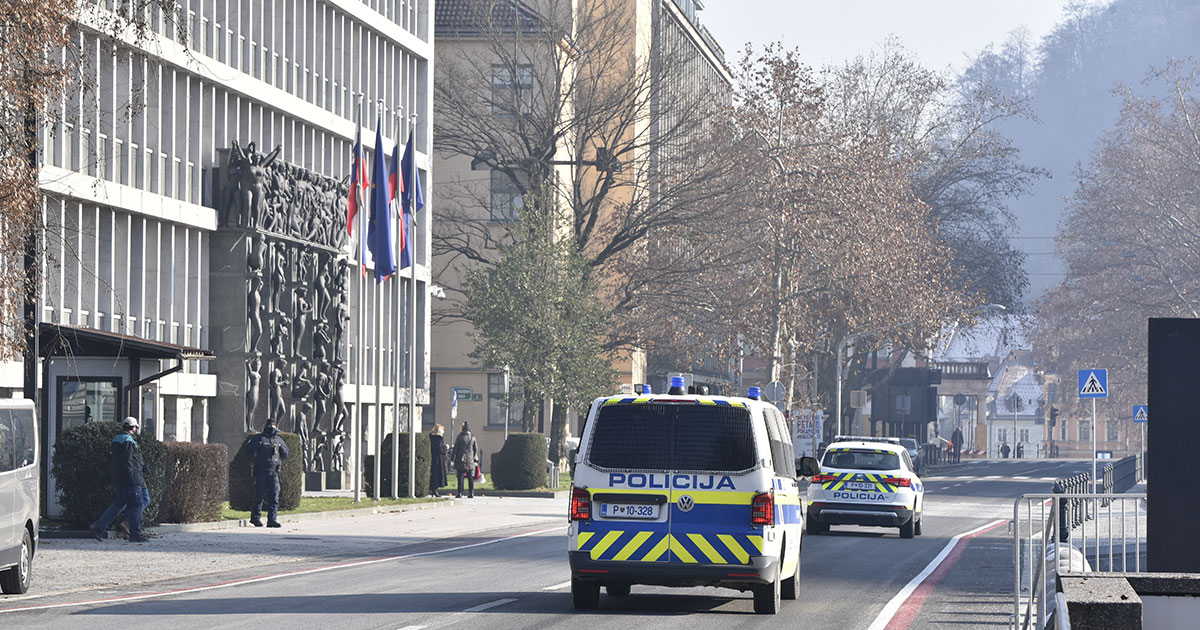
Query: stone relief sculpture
[321, 342]
[278, 278]
[303, 309]
[253, 377]
[254, 313]
[247, 169]
[279, 382]
[279, 340]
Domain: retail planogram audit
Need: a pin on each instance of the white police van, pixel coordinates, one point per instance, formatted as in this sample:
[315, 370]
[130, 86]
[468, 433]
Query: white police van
[866, 481]
[686, 490]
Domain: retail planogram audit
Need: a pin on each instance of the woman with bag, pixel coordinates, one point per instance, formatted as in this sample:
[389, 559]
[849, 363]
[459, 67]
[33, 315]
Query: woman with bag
[465, 456]
[437, 459]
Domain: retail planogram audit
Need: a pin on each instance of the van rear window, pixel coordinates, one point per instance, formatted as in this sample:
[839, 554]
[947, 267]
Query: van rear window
[672, 436]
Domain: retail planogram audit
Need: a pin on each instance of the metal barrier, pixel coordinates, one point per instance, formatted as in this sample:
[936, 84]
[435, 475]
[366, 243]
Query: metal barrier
[1127, 473]
[1073, 531]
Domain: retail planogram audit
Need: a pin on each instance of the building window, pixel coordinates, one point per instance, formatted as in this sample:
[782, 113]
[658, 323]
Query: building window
[1002, 435]
[1064, 430]
[1085, 430]
[1114, 431]
[512, 92]
[497, 409]
[505, 198]
[1025, 435]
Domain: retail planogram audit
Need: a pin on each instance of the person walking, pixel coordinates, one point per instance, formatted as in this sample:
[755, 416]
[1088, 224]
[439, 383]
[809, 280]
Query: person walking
[465, 457]
[957, 439]
[1020, 450]
[1004, 450]
[268, 451]
[437, 460]
[128, 472]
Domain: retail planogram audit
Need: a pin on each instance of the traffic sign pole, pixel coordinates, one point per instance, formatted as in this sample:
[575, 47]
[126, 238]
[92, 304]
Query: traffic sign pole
[1094, 487]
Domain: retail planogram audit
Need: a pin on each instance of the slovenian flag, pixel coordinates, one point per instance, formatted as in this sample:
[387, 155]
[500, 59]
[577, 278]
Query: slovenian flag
[379, 231]
[409, 167]
[396, 186]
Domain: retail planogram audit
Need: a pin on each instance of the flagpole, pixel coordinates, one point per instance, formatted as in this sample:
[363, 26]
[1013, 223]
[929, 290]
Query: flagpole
[377, 439]
[412, 319]
[396, 348]
[355, 470]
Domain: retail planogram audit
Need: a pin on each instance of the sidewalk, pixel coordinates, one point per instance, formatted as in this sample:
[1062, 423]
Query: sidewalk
[115, 565]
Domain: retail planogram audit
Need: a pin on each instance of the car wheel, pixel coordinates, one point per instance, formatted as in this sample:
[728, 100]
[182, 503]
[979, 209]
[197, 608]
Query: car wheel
[620, 589]
[15, 580]
[584, 593]
[767, 597]
[906, 529]
[917, 527]
[791, 586]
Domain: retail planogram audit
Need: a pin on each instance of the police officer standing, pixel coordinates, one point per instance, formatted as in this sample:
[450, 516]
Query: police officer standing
[268, 451]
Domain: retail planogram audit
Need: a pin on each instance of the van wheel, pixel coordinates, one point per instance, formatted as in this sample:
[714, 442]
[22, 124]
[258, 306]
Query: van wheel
[620, 589]
[584, 593]
[906, 530]
[917, 528]
[15, 581]
[814, 528]
[767, 596]
[791, 586]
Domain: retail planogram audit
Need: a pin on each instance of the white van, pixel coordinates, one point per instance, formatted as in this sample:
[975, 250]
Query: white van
[19, 492]
[686, 490]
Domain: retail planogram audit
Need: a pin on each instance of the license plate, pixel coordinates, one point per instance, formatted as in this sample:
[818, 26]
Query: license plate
[629, 510]
[859, 485]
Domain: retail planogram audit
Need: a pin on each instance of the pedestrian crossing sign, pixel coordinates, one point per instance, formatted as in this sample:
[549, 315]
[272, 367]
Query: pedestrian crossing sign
[1093, 383]
[1141, 413]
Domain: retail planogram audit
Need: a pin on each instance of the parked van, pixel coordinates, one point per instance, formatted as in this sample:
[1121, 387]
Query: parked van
[19, 491]
[686, 490]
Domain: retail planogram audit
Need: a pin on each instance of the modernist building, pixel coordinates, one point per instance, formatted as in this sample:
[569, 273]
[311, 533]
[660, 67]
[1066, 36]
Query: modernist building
[657, 28]
[196, 271]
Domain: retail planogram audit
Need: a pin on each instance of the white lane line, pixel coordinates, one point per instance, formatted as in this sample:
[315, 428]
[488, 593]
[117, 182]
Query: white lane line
[893, 606]
[1021, 477]
[412, 628]
[956, 485]
[266, 578]
[483, 607]
[992, 477]
[557, 587]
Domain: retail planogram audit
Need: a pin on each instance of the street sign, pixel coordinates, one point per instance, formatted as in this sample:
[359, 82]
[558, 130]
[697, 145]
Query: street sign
[904, 403]
[780, 405]
[858, 398]
[773, 391]
[1093, 383]
[462, 393]
[1141, 413]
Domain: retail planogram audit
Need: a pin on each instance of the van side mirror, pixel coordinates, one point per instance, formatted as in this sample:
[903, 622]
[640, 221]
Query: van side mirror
[809, 466]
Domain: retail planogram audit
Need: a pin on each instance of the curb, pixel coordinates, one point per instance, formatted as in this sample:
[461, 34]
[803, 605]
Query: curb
[519, 494]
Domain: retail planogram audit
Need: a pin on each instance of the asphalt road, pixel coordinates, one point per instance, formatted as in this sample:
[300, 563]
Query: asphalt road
[518, 579]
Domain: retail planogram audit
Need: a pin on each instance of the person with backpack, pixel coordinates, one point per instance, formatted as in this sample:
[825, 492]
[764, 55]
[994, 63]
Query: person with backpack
[465, 457]
[128, 477]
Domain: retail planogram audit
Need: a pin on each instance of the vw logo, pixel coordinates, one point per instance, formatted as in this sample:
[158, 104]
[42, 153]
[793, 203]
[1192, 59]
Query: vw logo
[686, 503]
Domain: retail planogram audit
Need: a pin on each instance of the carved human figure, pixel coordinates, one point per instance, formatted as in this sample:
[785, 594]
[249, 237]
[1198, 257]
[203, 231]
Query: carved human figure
[278, 279]
[321, 298]
[320, 451]
[279, 340]
[302, 429]
[302, 385]
[324, 391]
[253, 379]
[254, 313]
[279, 383]
[247, 171]
[320, 342]
[256, 257]
[303, 309]
[338, 455]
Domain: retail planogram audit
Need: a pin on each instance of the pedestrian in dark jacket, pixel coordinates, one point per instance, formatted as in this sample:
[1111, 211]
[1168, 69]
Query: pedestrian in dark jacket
[957, 440]
[465, 457]
[129, 482]
[268, 451]
[437, 459]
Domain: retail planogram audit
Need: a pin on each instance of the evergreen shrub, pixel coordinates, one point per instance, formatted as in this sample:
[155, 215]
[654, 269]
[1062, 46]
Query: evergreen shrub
[385, 475]
[196, 482]
[521, 463]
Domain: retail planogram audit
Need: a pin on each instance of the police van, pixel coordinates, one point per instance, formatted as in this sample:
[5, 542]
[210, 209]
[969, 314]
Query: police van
[686, 490]
[866, 481]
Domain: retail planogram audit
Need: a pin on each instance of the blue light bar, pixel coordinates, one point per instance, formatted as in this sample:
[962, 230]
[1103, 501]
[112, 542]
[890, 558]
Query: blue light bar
[754, 393]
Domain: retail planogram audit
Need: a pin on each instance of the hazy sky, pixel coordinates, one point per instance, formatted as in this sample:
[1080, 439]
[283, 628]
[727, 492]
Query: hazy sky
[940, 32]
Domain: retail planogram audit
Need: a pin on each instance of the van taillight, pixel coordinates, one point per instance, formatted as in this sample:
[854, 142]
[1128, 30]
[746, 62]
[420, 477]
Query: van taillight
[581, 505]
[762, 509]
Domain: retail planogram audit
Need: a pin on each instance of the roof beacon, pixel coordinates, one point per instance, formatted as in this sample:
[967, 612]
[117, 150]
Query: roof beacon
[677, 386]
[646, 389]
[754, 393]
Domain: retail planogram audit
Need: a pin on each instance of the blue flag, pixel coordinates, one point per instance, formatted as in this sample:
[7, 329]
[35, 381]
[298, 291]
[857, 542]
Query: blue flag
[379, 231]
[412, 188]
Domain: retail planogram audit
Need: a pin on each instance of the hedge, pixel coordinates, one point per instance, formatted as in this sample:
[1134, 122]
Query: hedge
[81, 465]
[521, 463]
[196, 482]
[291, 476]
[385, 475]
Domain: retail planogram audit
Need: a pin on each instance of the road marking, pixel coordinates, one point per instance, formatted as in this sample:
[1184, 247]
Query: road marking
[992, 477]
[558, 586]
[483, 607]
[956, 485]
[276, 576]
[901, 610]
[412, 628]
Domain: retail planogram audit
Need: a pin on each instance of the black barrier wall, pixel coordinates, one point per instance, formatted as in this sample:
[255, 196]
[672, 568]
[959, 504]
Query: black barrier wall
[1173, 436]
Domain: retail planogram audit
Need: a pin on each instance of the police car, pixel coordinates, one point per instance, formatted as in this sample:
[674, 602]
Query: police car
[686, 490]
[866, 481]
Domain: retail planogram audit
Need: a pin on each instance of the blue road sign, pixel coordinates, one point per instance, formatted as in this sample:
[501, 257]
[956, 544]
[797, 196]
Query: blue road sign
[1141, 413]
[1093, 383]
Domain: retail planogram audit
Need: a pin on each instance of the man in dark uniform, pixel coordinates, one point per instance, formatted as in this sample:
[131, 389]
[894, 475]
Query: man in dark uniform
[268, 451]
